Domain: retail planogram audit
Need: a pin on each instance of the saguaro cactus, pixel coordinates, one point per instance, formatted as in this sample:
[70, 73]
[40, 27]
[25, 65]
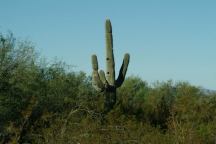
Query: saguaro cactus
[107, 83]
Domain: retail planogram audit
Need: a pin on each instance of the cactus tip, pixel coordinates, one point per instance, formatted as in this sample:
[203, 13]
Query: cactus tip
[94, 62]
[127, 55]
[108, 26]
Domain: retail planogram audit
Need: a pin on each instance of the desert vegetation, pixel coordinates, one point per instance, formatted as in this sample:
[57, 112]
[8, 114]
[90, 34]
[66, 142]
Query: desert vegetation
[48, 102]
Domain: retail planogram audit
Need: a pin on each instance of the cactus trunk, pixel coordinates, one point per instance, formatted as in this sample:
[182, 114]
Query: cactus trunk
[110, 99]
[110, 63]
[106, 83]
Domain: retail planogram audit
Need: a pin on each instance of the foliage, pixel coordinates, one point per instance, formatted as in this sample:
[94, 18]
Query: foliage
[48, 103]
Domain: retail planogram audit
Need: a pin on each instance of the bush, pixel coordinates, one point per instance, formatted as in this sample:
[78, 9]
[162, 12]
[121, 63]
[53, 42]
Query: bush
[50, 103]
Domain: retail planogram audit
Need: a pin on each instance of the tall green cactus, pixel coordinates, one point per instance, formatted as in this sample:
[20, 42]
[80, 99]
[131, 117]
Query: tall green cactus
[107, 83]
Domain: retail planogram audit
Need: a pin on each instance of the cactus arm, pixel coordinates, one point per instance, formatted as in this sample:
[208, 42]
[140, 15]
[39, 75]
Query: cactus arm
[96, 81]
[110, 64]
[103, 78]
[123, 70]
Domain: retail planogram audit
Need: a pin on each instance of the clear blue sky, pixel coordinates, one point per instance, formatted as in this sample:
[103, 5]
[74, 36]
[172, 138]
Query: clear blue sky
[173, 39]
